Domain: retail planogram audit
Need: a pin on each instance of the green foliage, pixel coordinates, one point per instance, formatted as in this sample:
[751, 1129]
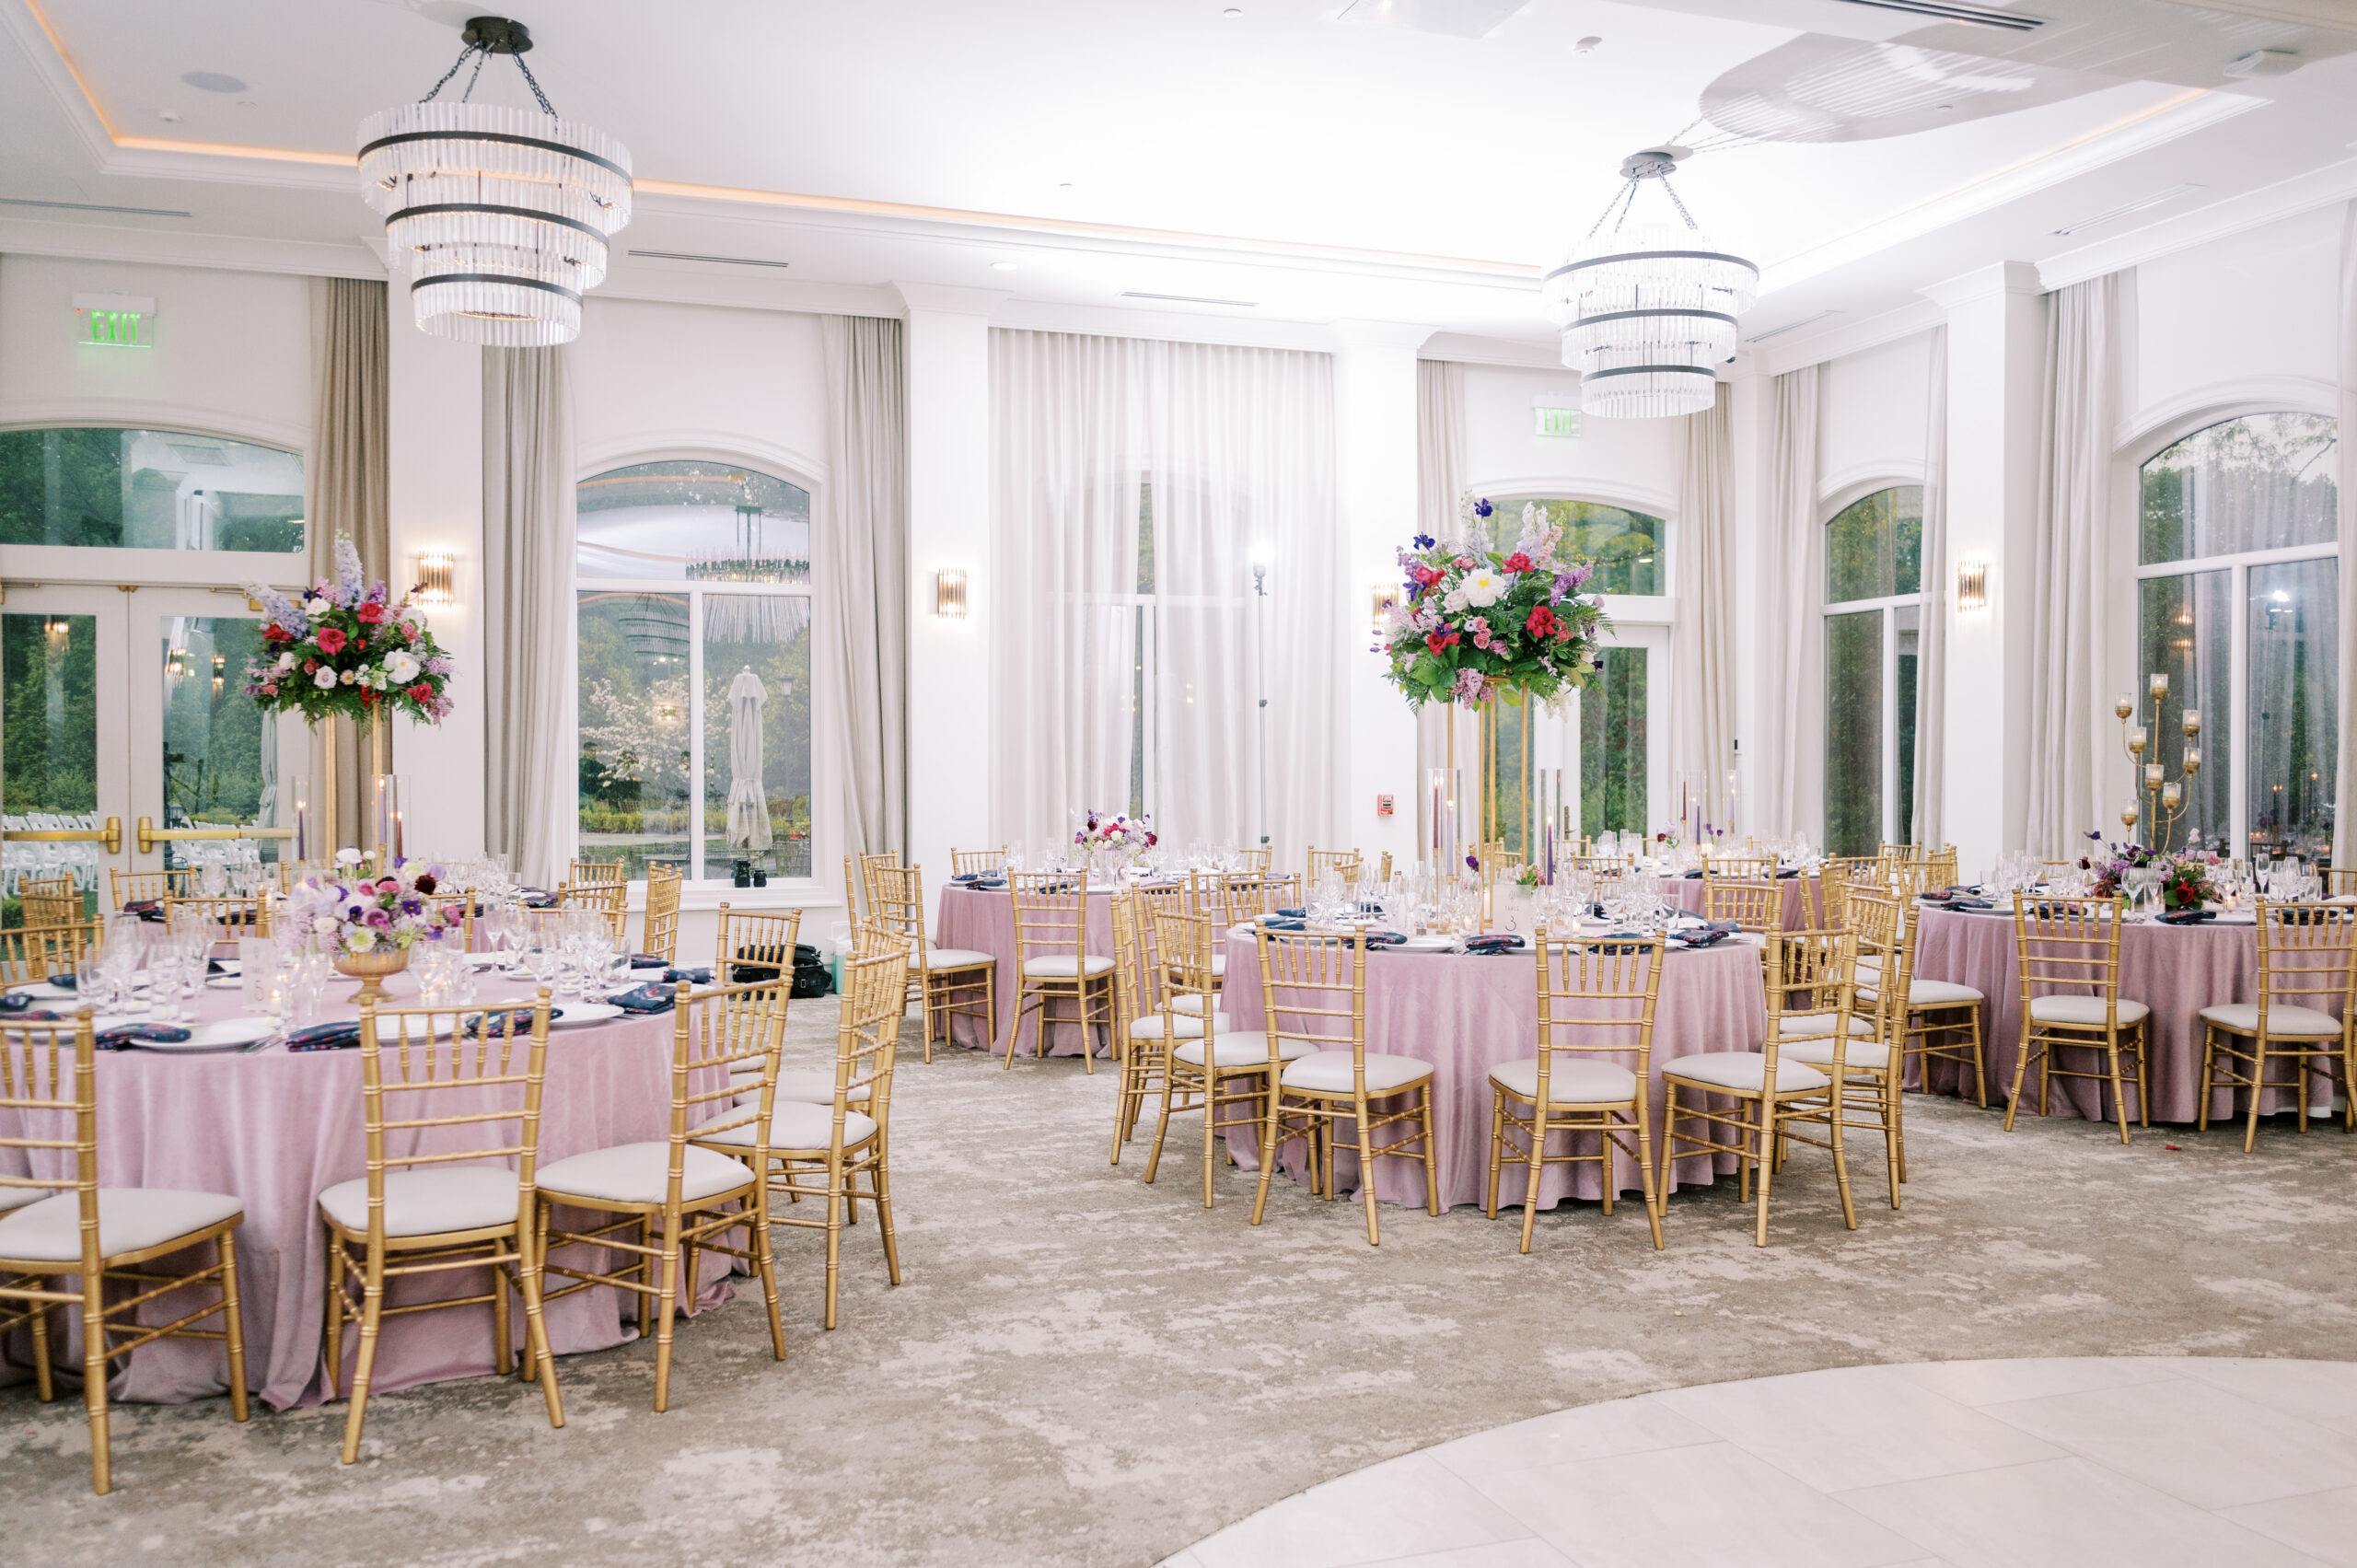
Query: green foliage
[1874, 546]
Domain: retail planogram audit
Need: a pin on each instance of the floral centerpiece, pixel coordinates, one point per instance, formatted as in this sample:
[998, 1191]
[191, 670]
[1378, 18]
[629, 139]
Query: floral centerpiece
[369, 922]
[1477, 620]
[2185, 877]
[1116, 835]
[346, 647]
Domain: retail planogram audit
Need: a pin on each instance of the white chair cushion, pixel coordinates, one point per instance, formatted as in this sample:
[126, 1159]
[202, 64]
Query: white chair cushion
[2083, 1011]
[2293, 1023]
[1186, 1026]
[1329, 1071]
[1063, 965]
[17, 1197]
[798, 1125]
[1219, 965]
[640, 1173]
[1192, 1003]
[939, 959]
[428, 1200]
[1571, 1080]
[1808, 1026]
[131, 1219]
[1244, 1047]
[1745, 1070]
[810, 1086]
[1930, 993]
[1862, 1054]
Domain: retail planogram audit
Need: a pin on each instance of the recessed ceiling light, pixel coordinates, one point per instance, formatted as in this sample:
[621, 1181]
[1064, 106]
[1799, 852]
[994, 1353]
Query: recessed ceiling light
[168, 116]
[1233, 13]
[1065, 185]
[213, 81]
[1586, 45]
[1002, 266]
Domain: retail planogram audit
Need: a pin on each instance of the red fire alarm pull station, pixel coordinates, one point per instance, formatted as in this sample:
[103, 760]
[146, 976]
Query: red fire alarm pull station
[1383, 805]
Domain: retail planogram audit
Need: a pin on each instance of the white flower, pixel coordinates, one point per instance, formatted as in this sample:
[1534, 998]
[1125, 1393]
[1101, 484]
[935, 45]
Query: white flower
[350, 676]
[285, 661]
[1482, 587]
[325, 926]
[360, 939]
[401, 669]
[348, 856]
[316, 606]
[1453, 601]
[324, 679]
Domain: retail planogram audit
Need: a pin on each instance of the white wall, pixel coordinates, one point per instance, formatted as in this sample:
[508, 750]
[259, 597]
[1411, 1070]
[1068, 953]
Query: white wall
[1630, 461]
[2244, 319]
[1871, 421]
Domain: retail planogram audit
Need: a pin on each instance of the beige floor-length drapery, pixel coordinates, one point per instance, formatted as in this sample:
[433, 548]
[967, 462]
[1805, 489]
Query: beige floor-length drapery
[863, 536]
[347, 481]
[2069, 577]
[1929, 821]
[1440, 501]
[1702, 644]
[2344, 817]
[529, 772]
[1791, 735]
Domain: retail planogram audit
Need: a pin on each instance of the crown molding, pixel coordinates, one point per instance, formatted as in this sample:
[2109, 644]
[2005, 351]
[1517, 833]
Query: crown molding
[1464, 348]
[1984, 283]
[1168, 326]
[2219, 220]
[736, 291]
[1906, 320]
[176, 248]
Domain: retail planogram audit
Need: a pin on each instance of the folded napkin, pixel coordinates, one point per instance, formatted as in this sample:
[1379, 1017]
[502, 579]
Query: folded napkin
[2188, 917]
[1385, 939]
[31, 1016]
[66, 981]
[1284, 922]
[339, 1036]
[130, 1037]
[648, 961]
[699, 977]
[1793, 871]
[1294, 914]
[972, 876]
[14, 1002]
[1942, 900]
[643, 999]
[213, 967]
[540, 898]
[1709, 936]
[1493, 943]
[1693, 876]
[986, 884]
[519, 1022]
[146, 909]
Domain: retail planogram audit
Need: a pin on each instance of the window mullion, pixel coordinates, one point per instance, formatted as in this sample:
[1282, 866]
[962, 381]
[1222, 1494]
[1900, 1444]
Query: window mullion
[2239, 682]
[695, 699]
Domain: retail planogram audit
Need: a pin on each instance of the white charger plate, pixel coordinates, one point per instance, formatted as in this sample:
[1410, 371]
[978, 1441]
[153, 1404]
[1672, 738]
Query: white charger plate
[227, 1032]
[48, 993]
[226, 982]
[1427, 945]
[579, 1013]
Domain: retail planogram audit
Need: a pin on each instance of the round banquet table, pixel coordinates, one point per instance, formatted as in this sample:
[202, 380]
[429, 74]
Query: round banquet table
[1802, 901]
[276, 1128]
[981, 920]
[1465, 1014]
[2175, 971]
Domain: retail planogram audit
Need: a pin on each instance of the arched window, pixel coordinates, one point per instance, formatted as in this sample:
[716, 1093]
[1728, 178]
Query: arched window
[148, 490]
[1873, 569]
[692, 576]
[2237, 605]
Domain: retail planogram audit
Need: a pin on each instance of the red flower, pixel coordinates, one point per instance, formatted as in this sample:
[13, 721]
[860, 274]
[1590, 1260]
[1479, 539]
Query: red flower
[270, 688]
[1437, 641]
[331, 641]
[421, 692]
[1465, 564]
[310, 666]
[1564, 631]
[371, 614]
[1517, 562]
[274, 632]
[1541, 623]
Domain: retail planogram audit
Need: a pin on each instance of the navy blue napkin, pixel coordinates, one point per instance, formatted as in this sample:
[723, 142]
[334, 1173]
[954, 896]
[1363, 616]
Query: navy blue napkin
[540, 898]
[699, 977]
[341, 1036]
[14, 1002]
[1385, 939]
[66, 981]
[1784, 876]
[1284, 922]
[2188, 917]
[519, 1022]
[648, 961]
[1494, 942]
[643, 999]
[1693, 876]
[1294, 914]
[131, 1035]
[1950, 902]
[1707, 937]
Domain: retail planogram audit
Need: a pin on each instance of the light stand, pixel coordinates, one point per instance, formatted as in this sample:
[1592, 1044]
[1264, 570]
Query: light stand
[2168, 798]
[1261, 680]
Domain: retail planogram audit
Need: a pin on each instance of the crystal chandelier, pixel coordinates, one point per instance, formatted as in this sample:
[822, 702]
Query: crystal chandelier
[1648, 310]
[500, 217]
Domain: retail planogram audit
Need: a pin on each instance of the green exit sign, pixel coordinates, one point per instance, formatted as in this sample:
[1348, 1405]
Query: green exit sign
[115, 320]
[1563, 423]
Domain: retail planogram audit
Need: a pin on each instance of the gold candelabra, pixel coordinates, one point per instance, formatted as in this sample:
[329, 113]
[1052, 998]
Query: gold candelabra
[2165, 798]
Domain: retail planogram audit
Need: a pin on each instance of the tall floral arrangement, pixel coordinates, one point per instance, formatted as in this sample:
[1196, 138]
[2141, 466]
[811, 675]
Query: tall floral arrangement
[1132, 835]
[347, 647]
[359, 913]
[1477, 619]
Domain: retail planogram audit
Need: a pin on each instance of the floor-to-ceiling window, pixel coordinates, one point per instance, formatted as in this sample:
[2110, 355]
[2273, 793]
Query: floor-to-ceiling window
[694, 619]
[2237, 605]
[1874, 551]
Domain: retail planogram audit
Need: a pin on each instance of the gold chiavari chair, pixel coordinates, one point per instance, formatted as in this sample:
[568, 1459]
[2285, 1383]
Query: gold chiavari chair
[1053, 961]
[825, 1151]
[1836, 874]
[63, 1241]
[658, 926]
[463, 900]
[1593, 996]
[1925, 1029]
[1204, 1065]
[944, 983]
[1896, 852]
[756, 947]
[973, 862]
[1871, 1071]
[854, 886]
[1342, 863]
[1256, 860]
[49, 901]
[1248, 895]
[1313, 988]
[1383, 873]
[1927, 874]
[1739, 868]
[144, 887]
[2306, 1017]
[1774, 1095]
[2069, 959]
[682, 1195]
[2339, 882]
[431, 1213]
[32, 954]
[587, 871]
[1755, 904]
[608, 898]
[238, 918]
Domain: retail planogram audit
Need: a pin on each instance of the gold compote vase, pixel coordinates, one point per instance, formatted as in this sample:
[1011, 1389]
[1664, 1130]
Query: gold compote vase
[371, 969]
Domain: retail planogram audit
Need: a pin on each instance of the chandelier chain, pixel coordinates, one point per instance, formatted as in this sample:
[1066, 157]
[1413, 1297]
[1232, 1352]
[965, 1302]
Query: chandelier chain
[453, 71]
[534, 83]
[468, 96]
[1670, 192]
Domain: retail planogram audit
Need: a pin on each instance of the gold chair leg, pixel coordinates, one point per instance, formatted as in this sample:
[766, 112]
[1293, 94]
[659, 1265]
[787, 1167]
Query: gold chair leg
[2021, 1067]
[532, 1247]
[1432, 1158]
[1497, 1149]
[233, 1326]
[372, 1303]
[2119, 1095]
[1647, 1182]
[1841, 1164]
[334, 1354]
[1767, 1136]
[94, 1381]
[1268, 1148]
[1538, 1163]
[44, 1388]
[503, 1340]
[1366, 1177]
[879, 1181]
[836, 1194]
[2258, 1086]
[1211, 1109]
[1979, 1067]
[2209, 1076]
[666, 1298]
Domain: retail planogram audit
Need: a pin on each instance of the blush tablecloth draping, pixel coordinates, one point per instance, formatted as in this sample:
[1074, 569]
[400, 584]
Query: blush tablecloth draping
[1467, 1013]
[1802, 901]
[981, 920]
[277, 1128]
[2175, 971]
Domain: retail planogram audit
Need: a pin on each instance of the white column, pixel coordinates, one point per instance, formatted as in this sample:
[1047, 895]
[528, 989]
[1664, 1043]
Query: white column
[1996, 376]
[948, 343]
[1375, 456]
[435, 468]
[1748, 395]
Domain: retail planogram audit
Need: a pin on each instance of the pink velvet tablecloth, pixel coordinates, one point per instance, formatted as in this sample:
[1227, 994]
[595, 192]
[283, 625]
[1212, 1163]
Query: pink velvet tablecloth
[1802, 904]
[276, 1128]
[1467, 1013]
[2175, 971]
[981, 920]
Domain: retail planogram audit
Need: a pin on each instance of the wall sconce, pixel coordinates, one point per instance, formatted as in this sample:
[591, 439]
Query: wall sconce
[1971, 586]
[1386, 600]
[436, 574]
[950, 593]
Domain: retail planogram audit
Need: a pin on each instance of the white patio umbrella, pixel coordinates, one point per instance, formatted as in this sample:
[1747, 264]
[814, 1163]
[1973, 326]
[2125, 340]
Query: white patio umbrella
[749, 809]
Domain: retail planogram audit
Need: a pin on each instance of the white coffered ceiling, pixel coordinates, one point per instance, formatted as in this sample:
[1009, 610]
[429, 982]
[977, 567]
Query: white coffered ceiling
[1413, 160]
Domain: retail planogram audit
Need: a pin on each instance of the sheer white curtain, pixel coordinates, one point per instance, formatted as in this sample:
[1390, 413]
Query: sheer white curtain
[1792, 745]
[1930, 825]
[1136, 485]
[1704, 564]
[2069, 713]
[2344, 817]
[863, 543]
[348, 479]
[1440, 498]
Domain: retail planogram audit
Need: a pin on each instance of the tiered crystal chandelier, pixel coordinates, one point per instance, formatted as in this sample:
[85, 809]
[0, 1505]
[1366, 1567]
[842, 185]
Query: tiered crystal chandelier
[1648, 310]
[500, 215]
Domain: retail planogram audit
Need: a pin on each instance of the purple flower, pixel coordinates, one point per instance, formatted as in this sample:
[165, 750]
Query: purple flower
[377, 919]
[1482, 508]
[412, 906]
[1425, 542]
[1473, 862]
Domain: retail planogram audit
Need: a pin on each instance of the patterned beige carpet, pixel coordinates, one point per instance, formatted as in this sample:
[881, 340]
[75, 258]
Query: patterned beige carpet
[1082, 1369]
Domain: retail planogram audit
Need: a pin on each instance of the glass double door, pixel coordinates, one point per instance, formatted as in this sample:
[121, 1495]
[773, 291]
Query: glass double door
[1599, 765]
[129, 703]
